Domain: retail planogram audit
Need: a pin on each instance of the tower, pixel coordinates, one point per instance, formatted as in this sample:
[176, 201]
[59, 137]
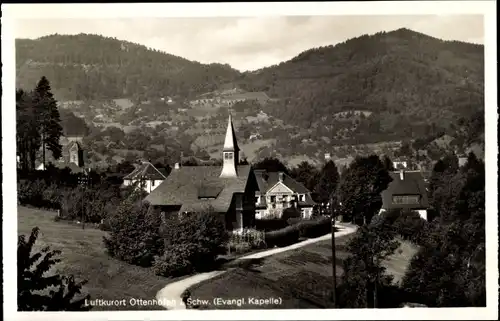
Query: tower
[76, 154]
[230, 152]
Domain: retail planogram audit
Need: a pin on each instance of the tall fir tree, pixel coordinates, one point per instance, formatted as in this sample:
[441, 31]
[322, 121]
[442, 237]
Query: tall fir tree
[49, 119]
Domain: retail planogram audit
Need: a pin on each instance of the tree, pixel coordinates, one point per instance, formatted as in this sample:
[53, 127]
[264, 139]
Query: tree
[327, 184]
[135, 233]
[449, 269]
[306, 174]
[36, 292]
[48, 118]
[360, 188]
[193, 241]
[363, 271]
[28, 138]
[271, 164]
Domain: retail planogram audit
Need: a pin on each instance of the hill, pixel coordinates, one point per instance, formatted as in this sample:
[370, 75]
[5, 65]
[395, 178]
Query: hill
[83, 67]
[356, 97]
[412, 83]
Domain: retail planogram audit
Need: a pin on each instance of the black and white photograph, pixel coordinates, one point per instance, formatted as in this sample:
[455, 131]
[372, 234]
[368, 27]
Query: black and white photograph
[291, 164]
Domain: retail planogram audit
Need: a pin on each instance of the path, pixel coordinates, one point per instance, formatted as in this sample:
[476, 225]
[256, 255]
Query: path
[170, 296]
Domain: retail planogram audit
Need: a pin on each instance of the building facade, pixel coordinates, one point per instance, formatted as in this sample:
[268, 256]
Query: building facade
[146, 176]
[278, 192]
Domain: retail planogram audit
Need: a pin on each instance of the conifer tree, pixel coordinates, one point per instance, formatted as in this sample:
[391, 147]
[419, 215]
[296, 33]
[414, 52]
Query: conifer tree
[48, 118]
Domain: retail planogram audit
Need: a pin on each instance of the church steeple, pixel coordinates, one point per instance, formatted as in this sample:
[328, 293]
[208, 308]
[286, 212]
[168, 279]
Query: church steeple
[230, 152]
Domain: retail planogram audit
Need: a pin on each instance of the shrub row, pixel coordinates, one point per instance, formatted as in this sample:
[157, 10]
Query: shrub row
[283, 237]
[299, 228]
[94, 202]
[315, 228]
[273, 224]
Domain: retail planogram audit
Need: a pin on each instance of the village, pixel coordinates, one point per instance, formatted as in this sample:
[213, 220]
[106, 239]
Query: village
[159, 183]
[264, 209]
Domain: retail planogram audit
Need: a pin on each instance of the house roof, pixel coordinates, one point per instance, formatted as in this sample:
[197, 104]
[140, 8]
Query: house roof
[412, 184]
[266, 180]
[189, 187]
[146, 171]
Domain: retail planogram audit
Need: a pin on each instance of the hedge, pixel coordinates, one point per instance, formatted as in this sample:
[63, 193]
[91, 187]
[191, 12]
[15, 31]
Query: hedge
[283, 237]
[315, 228]
[270, 224]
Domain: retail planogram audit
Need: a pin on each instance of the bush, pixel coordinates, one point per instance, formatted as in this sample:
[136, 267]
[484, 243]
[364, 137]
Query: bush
[271, 224]
[135, 234]
[203, 237]
[32, 285]
[294, 220]
[38, 193]
[286, 236]
[174, 262]
[411, 226]
[291, 213]
[315, 228]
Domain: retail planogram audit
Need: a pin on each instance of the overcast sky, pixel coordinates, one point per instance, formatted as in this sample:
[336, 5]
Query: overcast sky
[252, 43]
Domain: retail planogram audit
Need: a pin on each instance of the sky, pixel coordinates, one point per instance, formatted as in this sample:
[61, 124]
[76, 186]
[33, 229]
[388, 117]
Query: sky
[250, 43]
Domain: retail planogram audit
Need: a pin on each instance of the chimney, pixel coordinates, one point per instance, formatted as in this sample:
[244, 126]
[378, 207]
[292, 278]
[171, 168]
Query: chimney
[401, 174]
[177, 166]
[280, 176]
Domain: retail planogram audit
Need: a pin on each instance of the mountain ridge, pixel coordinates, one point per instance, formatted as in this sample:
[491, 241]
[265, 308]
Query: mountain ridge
[407, 85]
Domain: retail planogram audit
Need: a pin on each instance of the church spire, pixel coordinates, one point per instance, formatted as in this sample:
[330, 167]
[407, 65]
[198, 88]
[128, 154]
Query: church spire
[230, 151]
[230, 143]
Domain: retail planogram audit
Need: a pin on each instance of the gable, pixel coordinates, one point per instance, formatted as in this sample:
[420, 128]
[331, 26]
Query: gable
[279, 188]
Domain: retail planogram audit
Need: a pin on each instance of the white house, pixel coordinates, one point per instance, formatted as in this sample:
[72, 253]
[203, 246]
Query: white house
[277, 192]
[146, 176]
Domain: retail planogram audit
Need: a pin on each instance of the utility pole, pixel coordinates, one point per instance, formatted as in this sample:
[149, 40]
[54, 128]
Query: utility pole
[334, 266]
[83, 180]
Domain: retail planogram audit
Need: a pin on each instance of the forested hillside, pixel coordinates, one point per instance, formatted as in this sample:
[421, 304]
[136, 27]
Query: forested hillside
[83, 67]
[394, 87]
[405, 78]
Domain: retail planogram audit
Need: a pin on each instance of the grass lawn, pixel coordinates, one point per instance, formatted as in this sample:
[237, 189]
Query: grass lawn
[83, 255]
[301, 277]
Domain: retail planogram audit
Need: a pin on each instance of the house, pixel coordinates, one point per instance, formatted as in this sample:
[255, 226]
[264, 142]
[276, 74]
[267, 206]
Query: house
[73, 157]
[228, 189]
[277, 192]
[406, 191]
[400, 163]
[462, 160]
[147, 176]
